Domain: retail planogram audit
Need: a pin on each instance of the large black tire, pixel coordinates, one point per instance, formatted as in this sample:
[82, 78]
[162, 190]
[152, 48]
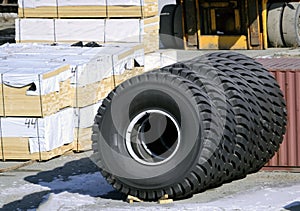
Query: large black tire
[254, 90]
[178, 31]
[166, 28]
[226, 124]
[149, 170]
[274, 109]
[189, 126]
[275, 96]
[236, 104]
[243, 112]
[274, 24]
[291, 24]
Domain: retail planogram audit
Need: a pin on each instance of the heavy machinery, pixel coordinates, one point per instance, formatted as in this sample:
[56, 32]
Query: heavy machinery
[230, 24]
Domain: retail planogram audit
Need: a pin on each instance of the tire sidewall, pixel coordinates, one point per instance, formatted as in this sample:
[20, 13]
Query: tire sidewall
[116, 119]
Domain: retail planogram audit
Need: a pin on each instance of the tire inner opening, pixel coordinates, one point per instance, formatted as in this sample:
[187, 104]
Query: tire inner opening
[152, 137]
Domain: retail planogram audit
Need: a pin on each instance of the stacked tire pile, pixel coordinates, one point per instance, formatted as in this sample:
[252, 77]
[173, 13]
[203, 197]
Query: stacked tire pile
[188, 127]
[284, 24]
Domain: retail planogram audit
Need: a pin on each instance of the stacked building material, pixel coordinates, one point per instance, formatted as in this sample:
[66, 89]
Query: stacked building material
[102, 21]
[89, 9]
[50, 94]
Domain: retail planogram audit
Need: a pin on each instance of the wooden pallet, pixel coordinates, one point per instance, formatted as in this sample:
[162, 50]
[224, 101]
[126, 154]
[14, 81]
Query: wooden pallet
[17, 148]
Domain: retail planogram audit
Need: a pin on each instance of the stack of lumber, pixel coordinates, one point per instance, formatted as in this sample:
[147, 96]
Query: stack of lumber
[87, 9]
[50, 95]
[102, 21]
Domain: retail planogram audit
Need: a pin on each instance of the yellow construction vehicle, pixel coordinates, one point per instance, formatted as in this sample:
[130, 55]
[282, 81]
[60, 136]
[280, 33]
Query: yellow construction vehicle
[230, 24]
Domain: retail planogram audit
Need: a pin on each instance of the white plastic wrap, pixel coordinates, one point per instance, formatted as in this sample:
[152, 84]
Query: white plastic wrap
[36, 3]
[35, 30]
[44, 134]
[81, 3]
[73, 30]
[123, 30]
[85, 116]
[67, 30]
[23, 64]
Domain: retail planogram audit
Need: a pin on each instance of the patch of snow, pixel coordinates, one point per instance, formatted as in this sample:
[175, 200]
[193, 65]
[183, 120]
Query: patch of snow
[92, 184]
[65, 201]
[79, 193]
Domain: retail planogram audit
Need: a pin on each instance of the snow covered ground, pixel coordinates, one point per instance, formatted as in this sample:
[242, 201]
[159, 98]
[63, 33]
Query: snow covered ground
[74, 183]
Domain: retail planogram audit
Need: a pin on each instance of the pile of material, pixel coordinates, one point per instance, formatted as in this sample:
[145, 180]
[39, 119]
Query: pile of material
[109, 21]
[50, 94]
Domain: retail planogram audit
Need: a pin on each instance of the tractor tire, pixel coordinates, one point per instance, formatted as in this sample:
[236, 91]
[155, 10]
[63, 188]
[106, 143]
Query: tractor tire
[188, 127]
[166, 29]
[291, 24]
[130, 130]
[274, 24]
[272, 89]
[178, 31]
[240, 158]
[224, 112]
[274, 108]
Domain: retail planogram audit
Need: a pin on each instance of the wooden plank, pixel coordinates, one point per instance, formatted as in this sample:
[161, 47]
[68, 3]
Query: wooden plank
[38, 12]
[82, 141]
[91, 11]
[148, 10]
[128, 74]
[17, 148]
[18, 103]
[92, 93]
[82, 11]
[151, 34]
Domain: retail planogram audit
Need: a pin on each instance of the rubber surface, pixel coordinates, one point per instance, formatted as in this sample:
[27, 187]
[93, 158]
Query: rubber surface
[274, 24]
[290, 24]
[190, 169]
[231, 118]
[166, 29]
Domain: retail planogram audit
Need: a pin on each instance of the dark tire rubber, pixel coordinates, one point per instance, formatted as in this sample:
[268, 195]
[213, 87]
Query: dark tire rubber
[190, 169]
[225, 115]
[178, 31]
[273, 116]
[166, 29]
[189, 126]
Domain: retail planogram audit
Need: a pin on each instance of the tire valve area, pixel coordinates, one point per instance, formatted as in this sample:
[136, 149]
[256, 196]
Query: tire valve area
[153, 137]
